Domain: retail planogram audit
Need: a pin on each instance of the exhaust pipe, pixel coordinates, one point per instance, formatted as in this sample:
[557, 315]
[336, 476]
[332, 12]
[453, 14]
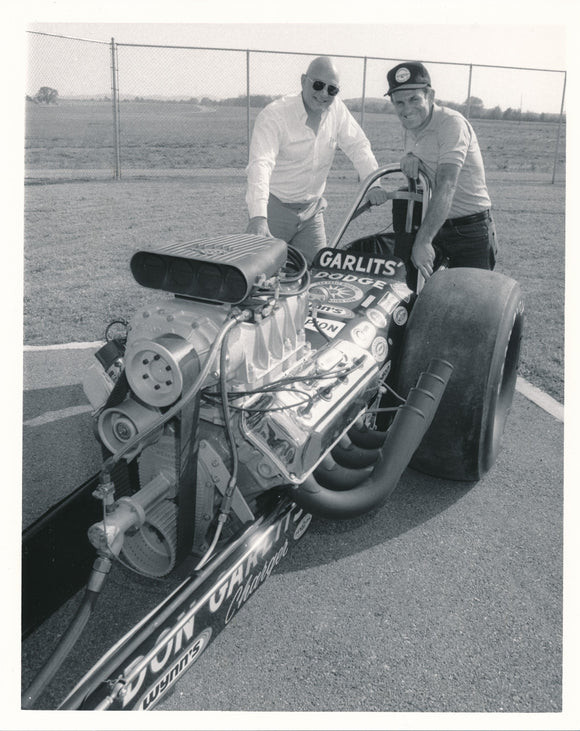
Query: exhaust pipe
[365, 438]
[336, 477]
[402, 440]
[347, 454]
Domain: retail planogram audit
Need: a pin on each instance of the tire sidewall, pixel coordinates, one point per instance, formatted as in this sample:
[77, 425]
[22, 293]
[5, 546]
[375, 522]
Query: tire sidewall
[465, 316]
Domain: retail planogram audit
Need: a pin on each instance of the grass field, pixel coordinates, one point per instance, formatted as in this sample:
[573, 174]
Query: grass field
[173, 135]
[79, 236]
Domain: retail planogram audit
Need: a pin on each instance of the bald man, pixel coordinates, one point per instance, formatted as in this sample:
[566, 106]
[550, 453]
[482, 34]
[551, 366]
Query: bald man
[291, 153]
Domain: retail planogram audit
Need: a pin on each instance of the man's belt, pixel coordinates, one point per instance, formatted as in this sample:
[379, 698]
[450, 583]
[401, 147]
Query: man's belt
[465, 220]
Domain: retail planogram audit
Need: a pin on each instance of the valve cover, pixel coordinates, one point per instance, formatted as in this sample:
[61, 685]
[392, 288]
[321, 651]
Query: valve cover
[360, 303]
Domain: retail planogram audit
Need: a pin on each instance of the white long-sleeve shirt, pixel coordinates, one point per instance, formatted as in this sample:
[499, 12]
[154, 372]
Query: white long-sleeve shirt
[290, 161]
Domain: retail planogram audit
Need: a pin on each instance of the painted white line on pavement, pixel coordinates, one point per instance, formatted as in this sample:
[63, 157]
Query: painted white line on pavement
[50, 416]
[538, 397]
[63, 346]
[541, 399]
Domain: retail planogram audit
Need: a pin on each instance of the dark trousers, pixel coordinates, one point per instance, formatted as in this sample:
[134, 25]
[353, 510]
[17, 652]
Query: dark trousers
[467, 245]
[464, 245]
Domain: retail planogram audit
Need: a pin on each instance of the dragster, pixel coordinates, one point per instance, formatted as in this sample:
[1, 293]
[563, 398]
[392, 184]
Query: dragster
[251, 394]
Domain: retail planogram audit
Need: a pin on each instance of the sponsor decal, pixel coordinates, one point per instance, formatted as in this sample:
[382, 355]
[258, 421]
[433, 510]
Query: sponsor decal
[403, 74]
[317, 294]
[379, 349]
[401, 290]
[249, 575]
[183, 663]
[329, 327]
[348, 278]
[142, 678]
[340, 292]
[170, 644]
[388, 303]
[377, 317]
[334, 310]
[398, 292]
[377, 266]
[302, 527]
[363, 333]
[400, 316]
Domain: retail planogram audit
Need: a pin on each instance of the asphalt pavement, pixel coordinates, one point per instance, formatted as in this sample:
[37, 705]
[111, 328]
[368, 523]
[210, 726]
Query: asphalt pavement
[448, 599]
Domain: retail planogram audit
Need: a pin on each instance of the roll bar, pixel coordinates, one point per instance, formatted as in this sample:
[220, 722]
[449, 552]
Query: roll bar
[419, 190]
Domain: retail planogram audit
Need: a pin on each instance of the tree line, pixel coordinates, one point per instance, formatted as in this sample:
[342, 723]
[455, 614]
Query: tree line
[472, 107]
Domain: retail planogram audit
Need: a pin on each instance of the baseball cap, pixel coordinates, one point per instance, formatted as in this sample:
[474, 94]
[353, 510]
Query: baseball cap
[408, 75]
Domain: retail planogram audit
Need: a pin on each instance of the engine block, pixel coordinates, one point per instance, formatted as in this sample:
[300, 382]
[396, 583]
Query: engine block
[297, 427]
[256, 392]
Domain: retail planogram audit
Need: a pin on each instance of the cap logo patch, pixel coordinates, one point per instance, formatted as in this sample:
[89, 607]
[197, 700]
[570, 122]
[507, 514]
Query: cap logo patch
[403, 74]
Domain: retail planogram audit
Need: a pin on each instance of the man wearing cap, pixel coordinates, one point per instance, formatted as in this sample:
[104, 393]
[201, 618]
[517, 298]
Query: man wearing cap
[458, 223]
[291, 153]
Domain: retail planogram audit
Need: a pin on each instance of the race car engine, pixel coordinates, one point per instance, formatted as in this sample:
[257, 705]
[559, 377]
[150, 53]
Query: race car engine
[233, 387]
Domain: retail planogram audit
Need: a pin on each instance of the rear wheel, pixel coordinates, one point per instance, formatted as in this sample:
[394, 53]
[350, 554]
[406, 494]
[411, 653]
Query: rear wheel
[472, 318]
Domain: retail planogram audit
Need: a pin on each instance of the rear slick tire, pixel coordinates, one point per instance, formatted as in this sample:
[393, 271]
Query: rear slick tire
[472, 318]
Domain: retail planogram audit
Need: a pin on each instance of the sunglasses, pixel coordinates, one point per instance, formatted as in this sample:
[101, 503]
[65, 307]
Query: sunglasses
[319, 86]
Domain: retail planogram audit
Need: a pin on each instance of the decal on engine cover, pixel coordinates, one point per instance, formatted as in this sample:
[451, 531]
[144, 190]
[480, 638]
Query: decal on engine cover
[338, 292]
[336, 281]
[342, 313]
[377, 317]
[358, 263]
[363, 333]
[368, 301]
[379, 349]
[329, 327]
[400, 316]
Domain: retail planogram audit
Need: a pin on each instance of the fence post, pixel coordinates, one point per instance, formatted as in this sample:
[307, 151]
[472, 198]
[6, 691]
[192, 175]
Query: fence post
[363, 97]
[248, 105]
[115, 94]
[559, 129]
[468, 110]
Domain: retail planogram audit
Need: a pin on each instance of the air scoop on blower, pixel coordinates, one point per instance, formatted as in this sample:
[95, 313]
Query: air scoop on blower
[224, 269]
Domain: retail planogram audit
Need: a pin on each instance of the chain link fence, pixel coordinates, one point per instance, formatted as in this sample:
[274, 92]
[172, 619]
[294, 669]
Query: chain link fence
[110, 110]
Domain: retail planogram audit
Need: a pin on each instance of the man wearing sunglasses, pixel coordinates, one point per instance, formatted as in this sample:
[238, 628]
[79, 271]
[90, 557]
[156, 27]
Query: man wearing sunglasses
[458, 225]
[291, 153]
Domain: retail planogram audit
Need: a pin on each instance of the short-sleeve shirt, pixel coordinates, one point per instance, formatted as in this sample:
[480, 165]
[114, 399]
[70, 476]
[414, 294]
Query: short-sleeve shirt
[287, 158]
[450, 138]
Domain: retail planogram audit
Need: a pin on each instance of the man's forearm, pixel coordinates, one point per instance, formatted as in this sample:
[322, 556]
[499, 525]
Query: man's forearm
[437, 212]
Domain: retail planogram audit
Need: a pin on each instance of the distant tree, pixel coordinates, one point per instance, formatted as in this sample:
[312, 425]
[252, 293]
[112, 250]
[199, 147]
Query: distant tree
[494, 113]
[474, 101]
[45, 95]
[372, 104]
[451, 105]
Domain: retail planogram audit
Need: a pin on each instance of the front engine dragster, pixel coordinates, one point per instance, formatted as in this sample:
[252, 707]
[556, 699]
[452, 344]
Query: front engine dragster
[253, 393]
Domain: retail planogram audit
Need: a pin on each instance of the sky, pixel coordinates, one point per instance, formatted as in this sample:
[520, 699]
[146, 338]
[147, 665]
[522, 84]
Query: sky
[447, 48]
